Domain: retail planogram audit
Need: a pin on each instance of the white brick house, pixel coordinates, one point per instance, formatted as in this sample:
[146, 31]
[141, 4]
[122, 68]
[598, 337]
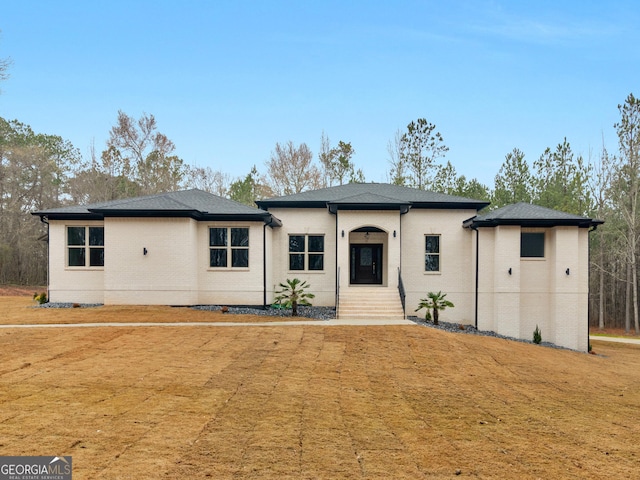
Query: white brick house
[363, 248]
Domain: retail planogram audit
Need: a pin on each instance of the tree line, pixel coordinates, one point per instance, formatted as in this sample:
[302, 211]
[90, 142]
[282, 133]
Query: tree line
[40, 171]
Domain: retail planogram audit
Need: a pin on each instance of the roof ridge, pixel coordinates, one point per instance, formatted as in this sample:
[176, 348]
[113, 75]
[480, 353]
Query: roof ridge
[344, 199]
[124, 201]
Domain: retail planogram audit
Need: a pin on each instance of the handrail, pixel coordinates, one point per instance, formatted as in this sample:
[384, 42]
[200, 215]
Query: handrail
[402, 293]
[338, 293]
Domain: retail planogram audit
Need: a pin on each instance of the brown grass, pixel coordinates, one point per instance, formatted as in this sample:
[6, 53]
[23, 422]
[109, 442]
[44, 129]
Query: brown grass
[312, 402]
[24, 310]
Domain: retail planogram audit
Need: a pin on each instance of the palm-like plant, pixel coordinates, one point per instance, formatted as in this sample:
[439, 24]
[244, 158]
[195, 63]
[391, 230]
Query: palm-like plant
[434, 302]
[293, 294]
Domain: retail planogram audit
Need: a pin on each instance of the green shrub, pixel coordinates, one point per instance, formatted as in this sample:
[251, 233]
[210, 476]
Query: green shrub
[537, 335]
[434, 302]
[40, 297]
[293, 294]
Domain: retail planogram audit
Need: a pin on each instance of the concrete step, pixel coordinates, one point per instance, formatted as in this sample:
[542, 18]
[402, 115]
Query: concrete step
[370, 302]
[383, 306]
[366, 314]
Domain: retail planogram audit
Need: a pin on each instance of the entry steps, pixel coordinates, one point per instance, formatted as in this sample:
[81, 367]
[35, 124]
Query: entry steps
[359, 303]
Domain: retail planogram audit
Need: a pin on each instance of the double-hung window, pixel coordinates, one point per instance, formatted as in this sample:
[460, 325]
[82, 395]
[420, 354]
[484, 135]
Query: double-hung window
[306, 252]
[432, 253]
[85, 246]
[228, 247]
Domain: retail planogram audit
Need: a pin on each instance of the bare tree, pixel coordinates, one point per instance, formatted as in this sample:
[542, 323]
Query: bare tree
[599, 184]
[28, 179]
[205, 178]
[628, 190]
[325, 157]
[5, 63]
[102, 179]
[336, 162]
[397, 172]
[291, 169]
[147, 153]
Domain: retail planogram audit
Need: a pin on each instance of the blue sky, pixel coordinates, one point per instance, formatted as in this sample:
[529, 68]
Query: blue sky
[226, 80]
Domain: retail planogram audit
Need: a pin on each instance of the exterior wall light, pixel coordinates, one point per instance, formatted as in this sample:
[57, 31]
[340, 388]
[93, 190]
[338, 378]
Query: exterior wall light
[144, 251]
[567, 271]
[510, 271]
[342, 233]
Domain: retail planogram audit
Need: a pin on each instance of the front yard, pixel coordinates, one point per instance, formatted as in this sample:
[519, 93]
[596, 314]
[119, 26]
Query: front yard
[309, 401]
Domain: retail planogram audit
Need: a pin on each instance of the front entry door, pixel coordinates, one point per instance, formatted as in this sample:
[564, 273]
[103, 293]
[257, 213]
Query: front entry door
[366, 264]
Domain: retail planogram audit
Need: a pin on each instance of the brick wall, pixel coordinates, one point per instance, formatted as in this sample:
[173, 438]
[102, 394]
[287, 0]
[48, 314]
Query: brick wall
[456, 277]
[71, 284]
[310, 221]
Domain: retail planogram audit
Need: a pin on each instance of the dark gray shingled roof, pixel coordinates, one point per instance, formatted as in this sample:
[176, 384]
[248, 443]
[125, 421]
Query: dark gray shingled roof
[193, 203]
[526, 214]
[371, 195]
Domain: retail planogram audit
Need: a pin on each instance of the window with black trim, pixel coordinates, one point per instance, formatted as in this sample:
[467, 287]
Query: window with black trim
[85, 246]
[532, 244]
[432, 253]
[228, 247]
[306, 252]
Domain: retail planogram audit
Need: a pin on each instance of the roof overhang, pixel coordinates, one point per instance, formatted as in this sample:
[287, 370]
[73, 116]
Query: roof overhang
[532, 223]
[68, 216]
[267, 204]
[477, 206]
[333, 207]
[401, 207]
[101, 214]
[107, 212]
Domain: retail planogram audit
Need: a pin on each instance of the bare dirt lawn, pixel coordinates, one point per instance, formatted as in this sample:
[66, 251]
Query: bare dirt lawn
[310, 401]
[25, 310]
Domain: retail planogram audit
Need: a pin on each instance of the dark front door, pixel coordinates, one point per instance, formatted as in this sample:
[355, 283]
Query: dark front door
[366, 263]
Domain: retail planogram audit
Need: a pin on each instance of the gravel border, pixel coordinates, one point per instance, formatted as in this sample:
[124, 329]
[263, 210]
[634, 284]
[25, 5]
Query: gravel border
[471, 330]
[67, 305]
[317, 313]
